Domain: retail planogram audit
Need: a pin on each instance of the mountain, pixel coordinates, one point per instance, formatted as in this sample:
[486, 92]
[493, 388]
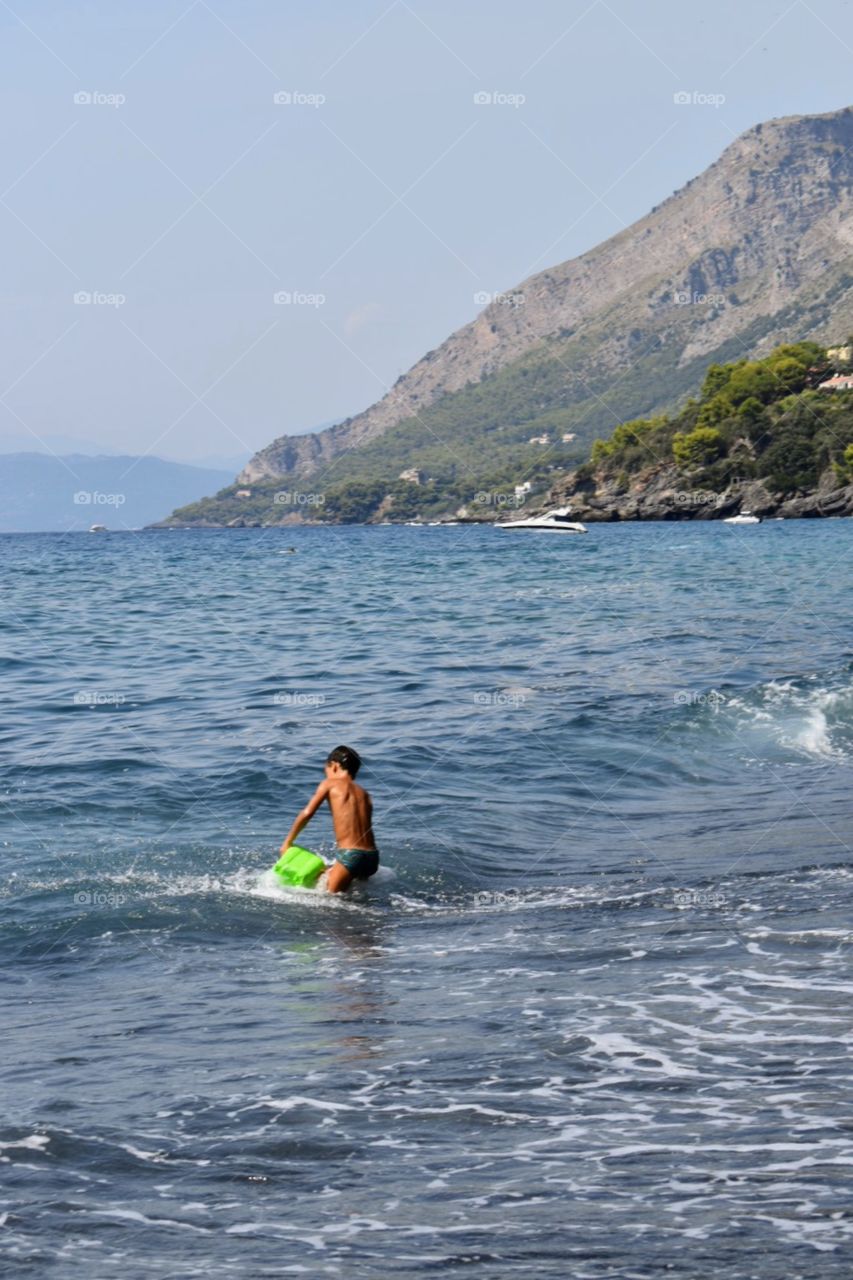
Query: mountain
[42, 493]
[53, 444]
[756, 251]
[227, 462]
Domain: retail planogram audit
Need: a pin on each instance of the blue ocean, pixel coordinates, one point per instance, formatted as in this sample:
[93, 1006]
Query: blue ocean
[592, 1017]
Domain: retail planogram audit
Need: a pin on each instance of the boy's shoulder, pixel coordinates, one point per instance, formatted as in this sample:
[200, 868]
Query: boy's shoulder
[342, 786]
[347, 787]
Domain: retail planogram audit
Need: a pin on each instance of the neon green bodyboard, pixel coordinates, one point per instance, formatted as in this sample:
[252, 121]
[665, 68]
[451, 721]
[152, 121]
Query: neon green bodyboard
[299, 867]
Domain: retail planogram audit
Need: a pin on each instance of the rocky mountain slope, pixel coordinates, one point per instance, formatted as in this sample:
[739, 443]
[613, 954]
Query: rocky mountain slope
[757, 250]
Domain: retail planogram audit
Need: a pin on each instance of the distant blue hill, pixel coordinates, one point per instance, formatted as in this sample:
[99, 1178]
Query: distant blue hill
[40, 493]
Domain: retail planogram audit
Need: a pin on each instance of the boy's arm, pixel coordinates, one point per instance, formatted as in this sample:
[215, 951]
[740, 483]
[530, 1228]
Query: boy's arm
[307, 813]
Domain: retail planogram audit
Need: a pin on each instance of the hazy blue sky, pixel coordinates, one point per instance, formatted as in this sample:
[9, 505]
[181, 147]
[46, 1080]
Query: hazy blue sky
[397, 198]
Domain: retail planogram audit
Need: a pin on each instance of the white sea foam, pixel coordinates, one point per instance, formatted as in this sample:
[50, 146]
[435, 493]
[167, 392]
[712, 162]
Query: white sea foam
[297, 1100]
[613, 1044]
[133, 1215]
[33, 1142]
[806, 718]
[156, 1157]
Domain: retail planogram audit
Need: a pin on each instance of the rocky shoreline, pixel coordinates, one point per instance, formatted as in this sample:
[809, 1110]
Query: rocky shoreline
[663, 492]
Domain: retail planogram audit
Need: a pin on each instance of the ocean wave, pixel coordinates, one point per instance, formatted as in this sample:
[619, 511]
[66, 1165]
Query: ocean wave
[781, 721]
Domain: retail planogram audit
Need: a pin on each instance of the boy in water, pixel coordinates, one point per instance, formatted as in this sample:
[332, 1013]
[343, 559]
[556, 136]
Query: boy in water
[357, 857]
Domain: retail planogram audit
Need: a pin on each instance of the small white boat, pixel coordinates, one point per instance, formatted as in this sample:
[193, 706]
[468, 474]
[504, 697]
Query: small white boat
[744, 517]
[556, 521]
[97, 528]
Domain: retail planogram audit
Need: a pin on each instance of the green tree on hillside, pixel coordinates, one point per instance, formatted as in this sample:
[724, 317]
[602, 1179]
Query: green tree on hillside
[699, 447]
[760, 418]
[789, 463]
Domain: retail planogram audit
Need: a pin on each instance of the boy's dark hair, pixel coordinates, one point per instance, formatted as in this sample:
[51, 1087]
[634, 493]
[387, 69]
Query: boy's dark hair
[347, 758]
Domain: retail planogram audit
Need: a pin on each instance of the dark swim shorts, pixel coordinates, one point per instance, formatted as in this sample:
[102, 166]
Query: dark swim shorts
[361, 863]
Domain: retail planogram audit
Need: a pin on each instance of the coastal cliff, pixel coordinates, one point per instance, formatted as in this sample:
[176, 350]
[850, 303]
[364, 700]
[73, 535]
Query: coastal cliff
[773, 437]
[659, 493]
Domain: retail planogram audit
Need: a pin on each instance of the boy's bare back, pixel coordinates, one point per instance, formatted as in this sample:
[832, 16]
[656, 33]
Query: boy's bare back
[352, 813]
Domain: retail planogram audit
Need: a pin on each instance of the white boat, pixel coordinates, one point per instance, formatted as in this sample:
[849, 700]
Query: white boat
[97, 528]
[744, 517]
[556, 521]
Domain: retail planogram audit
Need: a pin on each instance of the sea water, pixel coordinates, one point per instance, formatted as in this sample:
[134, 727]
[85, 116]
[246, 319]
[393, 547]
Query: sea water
[592, 1019]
